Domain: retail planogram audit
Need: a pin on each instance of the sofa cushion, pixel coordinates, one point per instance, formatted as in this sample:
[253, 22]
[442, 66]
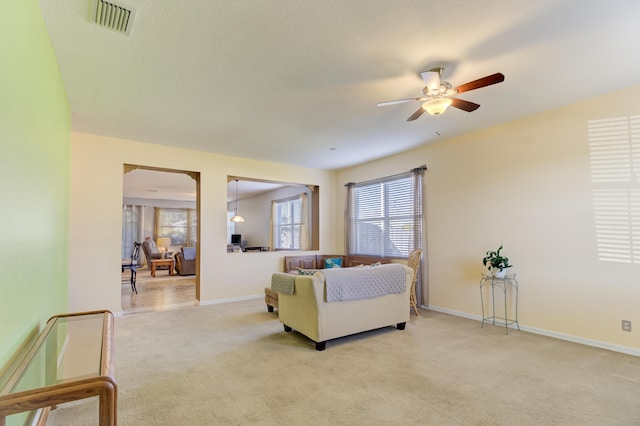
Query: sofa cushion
[362, 265]
[292, 263]
[365, 260]
[189, 253]
[333, 262]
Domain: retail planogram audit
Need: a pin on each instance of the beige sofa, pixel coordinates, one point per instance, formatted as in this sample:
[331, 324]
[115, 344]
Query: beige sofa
[317, 261]
[308, 312]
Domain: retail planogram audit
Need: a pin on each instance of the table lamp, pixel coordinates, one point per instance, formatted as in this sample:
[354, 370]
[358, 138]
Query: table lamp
[163, 244]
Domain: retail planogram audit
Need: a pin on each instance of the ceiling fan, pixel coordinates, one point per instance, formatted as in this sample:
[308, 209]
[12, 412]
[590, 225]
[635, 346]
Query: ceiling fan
[440, 95]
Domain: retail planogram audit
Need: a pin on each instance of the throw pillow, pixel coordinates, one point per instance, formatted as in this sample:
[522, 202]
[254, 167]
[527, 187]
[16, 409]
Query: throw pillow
[376, 264]
[189, 253]
[333, 262]
[306, 271]
[151, 247]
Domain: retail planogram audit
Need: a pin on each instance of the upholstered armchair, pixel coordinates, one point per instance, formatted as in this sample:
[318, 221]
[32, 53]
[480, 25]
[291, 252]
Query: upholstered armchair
[186, 261]
[151, 252]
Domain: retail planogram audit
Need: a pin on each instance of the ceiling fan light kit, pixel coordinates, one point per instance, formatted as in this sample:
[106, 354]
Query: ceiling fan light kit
[440, 95]
[437, 106]
[432, 78]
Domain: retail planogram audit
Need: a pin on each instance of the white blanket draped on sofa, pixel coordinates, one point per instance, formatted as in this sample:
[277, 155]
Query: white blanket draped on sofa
[364, 282]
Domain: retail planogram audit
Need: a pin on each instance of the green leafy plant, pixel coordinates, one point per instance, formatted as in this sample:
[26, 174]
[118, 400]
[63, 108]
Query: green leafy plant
[494, 260]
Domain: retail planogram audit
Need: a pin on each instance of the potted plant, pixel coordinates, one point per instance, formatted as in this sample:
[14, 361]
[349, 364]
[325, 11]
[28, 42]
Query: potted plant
[496, 263]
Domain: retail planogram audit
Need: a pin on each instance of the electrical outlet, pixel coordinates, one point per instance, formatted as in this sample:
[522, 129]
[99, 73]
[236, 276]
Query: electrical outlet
[626, 325]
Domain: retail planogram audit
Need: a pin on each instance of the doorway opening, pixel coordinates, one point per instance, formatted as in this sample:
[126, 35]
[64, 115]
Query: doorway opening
[160, 210]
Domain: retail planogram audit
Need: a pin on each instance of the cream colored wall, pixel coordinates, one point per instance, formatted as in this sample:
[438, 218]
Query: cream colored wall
[526, 185]
[96, 223]
[257, 212]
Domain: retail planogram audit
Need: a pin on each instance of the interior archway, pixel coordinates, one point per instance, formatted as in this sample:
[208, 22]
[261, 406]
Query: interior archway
[147, 190]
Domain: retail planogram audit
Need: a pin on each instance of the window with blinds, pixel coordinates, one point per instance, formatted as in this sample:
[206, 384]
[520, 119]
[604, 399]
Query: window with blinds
[614, 154]
[181, 225]
[288, 219]
[384, 217]
[131, 228]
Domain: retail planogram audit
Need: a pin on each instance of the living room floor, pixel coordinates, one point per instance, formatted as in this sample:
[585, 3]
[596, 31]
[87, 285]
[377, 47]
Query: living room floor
[233, 364]
[158, 293]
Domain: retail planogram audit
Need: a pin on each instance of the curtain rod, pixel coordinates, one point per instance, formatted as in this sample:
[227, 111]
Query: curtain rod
[418, 169]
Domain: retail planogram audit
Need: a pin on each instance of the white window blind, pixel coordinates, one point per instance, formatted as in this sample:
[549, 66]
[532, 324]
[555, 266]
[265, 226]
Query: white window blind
[384, 217]
[614, 154]
[131, 227]
[181, 225]
[288, 220]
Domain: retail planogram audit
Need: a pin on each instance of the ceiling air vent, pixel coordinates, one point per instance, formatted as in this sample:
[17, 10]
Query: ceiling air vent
[112, 16]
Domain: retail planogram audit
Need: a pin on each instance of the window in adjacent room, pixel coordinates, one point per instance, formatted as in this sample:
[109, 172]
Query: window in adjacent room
[290, 223]
[178, 224]
[384, 216]
[131, 227]
[231, 226]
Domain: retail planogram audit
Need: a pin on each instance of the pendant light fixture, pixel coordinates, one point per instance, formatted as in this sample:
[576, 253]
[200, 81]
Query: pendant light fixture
[236, 217]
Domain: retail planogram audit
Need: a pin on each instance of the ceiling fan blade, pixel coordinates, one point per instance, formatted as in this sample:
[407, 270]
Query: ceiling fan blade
[464, 105]
[481, 82]
[416, 114]
[400, 101]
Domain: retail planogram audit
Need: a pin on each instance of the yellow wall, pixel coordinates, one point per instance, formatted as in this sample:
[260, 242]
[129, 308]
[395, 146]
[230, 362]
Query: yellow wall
[34, 176]
[527, 185]
[96, 218]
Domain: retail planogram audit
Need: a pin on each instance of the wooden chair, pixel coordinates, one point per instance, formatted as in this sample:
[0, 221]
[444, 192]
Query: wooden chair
[414, 263]
[132, 264]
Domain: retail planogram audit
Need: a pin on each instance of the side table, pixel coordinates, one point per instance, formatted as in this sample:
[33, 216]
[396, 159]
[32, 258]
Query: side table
[504, 284]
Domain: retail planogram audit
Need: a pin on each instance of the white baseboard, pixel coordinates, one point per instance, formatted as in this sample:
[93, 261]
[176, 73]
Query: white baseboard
[186, 304]
[230, 299]
[156, 308]
[568, 337]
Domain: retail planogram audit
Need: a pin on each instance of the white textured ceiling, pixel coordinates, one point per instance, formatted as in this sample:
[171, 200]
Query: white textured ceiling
[161, 185]
[287, 80]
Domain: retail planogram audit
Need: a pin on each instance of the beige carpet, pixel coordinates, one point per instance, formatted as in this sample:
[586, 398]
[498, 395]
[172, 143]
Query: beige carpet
[232, 364]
